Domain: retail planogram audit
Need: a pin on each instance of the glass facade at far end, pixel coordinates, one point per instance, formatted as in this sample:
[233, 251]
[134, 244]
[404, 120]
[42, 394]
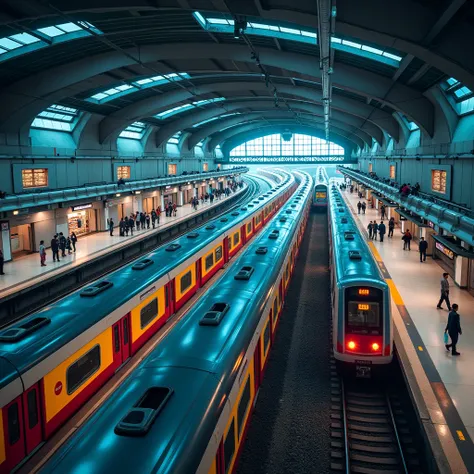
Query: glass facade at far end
[298, 145]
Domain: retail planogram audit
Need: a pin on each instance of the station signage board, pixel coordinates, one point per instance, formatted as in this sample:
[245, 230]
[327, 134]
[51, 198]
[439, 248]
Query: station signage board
[445, 250]
[81, 207]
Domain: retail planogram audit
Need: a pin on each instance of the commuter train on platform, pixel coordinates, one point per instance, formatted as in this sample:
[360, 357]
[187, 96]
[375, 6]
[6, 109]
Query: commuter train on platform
[186, 408]
[53, 361]
[320, 194]
[362, 321]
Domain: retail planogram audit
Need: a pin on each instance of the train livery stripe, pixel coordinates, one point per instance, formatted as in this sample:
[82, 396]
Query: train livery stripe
[2, 440]
[55, 383]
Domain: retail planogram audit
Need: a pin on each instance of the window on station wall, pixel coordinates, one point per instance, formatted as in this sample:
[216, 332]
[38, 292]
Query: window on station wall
[172, 169]
[123, 172]
[461, 97]
[34, 178]
[57, 117]
[392, 171]
[205, 166]
[295, 145]
[438, 181]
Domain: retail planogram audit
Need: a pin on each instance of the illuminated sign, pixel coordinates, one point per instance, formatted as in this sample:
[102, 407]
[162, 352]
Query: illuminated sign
[81, 207]
[321, 195]
[446, 251]
[431, 224]
[363, 307]
[364, 291]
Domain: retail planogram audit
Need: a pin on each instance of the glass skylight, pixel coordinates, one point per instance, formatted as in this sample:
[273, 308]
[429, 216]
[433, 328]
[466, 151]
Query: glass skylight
[21, 43]
[226, 25]
[461, 97]
[174, 140]
[411, 125]
[181, 108]
[57, 117]
[145, 83]
[134, 131]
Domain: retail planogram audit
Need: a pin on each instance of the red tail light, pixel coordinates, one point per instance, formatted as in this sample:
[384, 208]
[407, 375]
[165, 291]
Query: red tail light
[375, 347]
[351, 345]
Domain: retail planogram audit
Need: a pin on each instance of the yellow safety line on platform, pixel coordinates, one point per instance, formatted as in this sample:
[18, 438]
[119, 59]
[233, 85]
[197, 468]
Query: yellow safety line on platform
[375, 252]
[460, 435]
[394, 292]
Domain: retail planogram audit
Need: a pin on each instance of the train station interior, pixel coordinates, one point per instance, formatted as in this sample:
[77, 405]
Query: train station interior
[236, 236]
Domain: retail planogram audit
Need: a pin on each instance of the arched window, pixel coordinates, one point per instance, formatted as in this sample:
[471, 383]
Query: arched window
[298, 145]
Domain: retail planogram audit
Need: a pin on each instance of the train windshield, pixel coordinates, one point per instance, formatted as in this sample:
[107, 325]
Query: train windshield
[364, 308]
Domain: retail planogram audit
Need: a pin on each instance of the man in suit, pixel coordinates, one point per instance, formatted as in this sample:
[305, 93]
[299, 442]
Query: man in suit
[453, 328]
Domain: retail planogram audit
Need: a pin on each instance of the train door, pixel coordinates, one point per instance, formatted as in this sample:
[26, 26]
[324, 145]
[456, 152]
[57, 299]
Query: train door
[256, 366]
[122, 340]
[169, 297]
[14, 433]
[226, 250]
[32, 417]
[198, 274]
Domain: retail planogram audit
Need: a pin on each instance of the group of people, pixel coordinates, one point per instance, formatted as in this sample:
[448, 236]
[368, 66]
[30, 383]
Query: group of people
[139, 220]
[59, 242]
[373, 229]
[361, 206]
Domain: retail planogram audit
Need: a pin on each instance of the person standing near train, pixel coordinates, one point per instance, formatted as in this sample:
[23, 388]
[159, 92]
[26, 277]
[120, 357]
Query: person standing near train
[453, 328]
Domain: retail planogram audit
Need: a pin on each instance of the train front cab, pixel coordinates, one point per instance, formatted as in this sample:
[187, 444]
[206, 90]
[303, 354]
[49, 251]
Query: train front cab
[364, 330]
[320, 197]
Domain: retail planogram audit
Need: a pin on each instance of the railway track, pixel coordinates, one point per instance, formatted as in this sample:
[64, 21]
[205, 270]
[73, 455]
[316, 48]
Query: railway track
[371, 431]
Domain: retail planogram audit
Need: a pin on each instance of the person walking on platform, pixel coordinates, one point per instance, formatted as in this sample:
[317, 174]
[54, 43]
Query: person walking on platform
[62, 244]
[158, 214]
[175, 208]
[147, 219]
[407, 240]
[422, 247]
[453, 328]
[375, 229]
[42, 252]
[444, 292]
[359, 207]
[153, 218]
[55, 248]
[142, 220]
[382, 230]
[111, 226]
[73, 241]
[122, 227]
[131, 224]
[369, 229]
[391, 226]
[364, 207]
[2, 261]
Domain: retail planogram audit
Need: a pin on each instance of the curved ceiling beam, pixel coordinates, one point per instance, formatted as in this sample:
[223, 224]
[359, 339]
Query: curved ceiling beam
[218, 125]
[336, 136]
[26, 98]
[168, 130]
[113, 124]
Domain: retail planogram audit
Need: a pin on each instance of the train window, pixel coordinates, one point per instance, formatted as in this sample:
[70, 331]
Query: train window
[209, 262]
[249, 227]
[275, 308]
[218, 253]
[148, 313]
[266, 339]
[236, 238]
[363, 314]
[32, 409]
[186, 281]
[13, 424]
[116, 338]
[82, 369]
[125, 331]
[243, 406]
[229, 447]
[287, 271]
[167, 298]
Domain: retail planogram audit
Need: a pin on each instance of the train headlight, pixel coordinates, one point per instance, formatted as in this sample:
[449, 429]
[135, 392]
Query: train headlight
[375, 346]
[351, 345]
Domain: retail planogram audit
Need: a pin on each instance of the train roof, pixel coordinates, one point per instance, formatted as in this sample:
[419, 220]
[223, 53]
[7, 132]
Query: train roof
[354, 260]
[199, 363]
[73, 315]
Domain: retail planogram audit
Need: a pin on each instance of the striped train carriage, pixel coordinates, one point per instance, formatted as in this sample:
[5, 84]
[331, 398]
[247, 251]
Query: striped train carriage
[187, 407]
[53, 361]
[361, 305]
[320, 193]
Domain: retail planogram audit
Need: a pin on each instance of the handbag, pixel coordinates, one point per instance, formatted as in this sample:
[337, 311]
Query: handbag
[446, 338]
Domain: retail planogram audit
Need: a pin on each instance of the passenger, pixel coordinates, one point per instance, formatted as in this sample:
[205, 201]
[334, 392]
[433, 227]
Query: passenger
[391, 226]
[364, 207]
[407, 240]
[73, 241]
[147, 219]
[453, 328]
[444, 292]
[42, 252]
[69, 245]
[375, 229]
[111, 226]
[359, 207]
[422, 247]
[175, 208]
[382, 210]
[55, 248]
[370, 229]
[122, 227]
[142, 220]
[153, 218]
[131, 224]
[382, 230]
[158, 214]
[62, 244]
[2, 261]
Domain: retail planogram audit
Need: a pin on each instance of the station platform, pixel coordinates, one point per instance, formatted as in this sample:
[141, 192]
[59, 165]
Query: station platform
[415, 291]
[26, 270]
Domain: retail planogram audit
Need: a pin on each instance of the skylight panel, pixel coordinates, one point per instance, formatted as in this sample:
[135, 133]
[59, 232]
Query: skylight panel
[309, 34]
[25, 38]
[219, 21]
[352, 44]
[134, 131]
[124, 87]
[144, 81]
[69, 27]
[462, 92]
[290, 31]
[51, 31]
[372, 50]
[99, 96]
[451, 81]
[392, 56]
[8, 44]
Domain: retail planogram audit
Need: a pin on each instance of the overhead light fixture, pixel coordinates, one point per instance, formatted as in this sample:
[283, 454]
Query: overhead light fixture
[15, 213]
[239, 26]
[118, 195]
[138, 192]
[334, 11]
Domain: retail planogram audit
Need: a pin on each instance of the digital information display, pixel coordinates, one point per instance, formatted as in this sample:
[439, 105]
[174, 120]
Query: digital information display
[321, 195]
[363, 314]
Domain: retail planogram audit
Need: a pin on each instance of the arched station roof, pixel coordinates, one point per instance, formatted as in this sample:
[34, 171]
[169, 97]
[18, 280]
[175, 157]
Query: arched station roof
[386, 57]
